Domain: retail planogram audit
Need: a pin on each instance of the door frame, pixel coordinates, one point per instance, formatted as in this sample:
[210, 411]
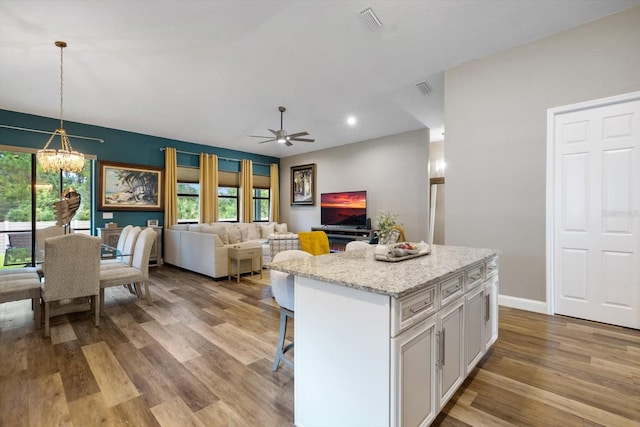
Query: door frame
[551, 179]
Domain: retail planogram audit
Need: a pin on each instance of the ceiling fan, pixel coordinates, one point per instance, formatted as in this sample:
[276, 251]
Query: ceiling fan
[281, 135]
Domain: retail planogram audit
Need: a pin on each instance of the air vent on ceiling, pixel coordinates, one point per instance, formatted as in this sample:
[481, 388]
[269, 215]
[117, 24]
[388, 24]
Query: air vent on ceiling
[370, 18]
[424, 87]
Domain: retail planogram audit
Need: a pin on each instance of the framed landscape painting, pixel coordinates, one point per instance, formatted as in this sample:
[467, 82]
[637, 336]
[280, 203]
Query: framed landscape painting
[127, 187]
[303, 181]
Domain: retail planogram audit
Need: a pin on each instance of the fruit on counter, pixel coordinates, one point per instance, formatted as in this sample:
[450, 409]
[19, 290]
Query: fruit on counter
[408, 246]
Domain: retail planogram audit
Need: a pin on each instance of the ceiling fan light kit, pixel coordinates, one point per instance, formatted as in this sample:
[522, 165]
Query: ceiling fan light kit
[281, 136]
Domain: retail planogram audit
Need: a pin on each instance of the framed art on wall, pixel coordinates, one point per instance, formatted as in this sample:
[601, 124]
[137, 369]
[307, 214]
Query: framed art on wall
[303, 182]
[123, 186]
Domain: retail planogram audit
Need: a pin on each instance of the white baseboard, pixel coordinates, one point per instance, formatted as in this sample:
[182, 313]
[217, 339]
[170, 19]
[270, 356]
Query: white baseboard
[523, 304]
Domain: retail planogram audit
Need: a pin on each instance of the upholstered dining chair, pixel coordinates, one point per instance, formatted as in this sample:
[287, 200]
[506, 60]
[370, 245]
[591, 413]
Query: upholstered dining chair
[118, 260]
[356, 244]
[43, 234]
[128, 249]
[137, 273]
[71, 270]
[282, 288]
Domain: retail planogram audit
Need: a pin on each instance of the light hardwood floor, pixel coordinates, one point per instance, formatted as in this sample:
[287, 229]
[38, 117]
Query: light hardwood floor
[202, 355]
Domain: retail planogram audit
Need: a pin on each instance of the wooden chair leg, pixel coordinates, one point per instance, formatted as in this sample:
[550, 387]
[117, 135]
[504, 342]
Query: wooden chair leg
[96, 307]
[101, 298]
[147, 292]
[37, 312]
[47, 314]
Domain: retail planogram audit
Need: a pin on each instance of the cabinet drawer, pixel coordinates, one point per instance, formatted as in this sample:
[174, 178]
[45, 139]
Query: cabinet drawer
[413, 308]
[475, 276]
[451, 289]
[491, 267]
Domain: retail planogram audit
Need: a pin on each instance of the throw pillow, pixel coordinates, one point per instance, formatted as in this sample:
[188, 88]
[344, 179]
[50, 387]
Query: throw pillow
[235, 235]
[180, 227]
[195, 227]
[281, 228]
[221, 231]
[254, 232]
[267, 230]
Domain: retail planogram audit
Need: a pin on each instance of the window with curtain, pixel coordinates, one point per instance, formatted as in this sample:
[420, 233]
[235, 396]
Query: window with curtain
[188, 202]
[261, 204]
[228, 204]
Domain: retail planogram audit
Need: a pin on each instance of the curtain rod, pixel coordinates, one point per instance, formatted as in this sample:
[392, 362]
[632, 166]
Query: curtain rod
[100, 140]
[229, 159]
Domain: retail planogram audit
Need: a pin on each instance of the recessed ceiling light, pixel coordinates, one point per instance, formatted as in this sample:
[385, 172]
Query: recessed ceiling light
[351, 120]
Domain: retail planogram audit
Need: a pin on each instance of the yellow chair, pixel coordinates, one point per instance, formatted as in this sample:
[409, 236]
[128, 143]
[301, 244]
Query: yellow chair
[314, 242]
[401, 237]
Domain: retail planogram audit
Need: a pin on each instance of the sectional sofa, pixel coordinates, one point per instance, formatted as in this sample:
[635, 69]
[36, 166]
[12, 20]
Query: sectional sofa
[203, 248]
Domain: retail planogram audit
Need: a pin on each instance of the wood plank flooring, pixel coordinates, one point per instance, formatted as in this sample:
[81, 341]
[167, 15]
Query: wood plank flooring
[202, 355]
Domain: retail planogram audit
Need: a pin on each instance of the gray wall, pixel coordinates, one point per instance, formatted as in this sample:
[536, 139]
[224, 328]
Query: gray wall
[392, 169]
[495, 120]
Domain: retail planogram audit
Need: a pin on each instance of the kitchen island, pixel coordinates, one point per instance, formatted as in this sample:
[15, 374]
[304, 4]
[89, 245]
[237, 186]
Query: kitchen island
[388, 343]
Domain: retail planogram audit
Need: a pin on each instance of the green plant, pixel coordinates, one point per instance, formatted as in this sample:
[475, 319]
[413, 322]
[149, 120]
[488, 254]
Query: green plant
[386, 221]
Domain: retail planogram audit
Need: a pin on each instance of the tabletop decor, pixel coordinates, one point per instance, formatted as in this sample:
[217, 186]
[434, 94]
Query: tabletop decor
[123, 186]
[385, 223]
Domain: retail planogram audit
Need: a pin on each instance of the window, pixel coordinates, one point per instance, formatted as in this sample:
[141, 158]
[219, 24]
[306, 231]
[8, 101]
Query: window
[261, 204]
[188, 202]
[228, 204]
[23, 211]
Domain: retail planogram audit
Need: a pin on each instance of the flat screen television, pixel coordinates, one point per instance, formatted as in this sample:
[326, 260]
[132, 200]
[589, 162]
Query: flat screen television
[346, 208]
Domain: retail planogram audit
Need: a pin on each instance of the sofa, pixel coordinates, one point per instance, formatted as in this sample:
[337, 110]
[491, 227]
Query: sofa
[203, 248]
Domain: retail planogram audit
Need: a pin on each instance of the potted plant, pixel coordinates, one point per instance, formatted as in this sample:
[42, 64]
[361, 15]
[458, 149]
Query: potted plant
[385, 222]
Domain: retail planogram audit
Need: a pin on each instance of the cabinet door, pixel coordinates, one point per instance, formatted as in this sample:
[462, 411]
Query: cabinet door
[474, 327]
[451, 349]
[491, 311]
[413, 356]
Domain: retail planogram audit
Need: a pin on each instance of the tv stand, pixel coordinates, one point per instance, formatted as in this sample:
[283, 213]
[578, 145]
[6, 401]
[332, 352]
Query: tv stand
[340, 236]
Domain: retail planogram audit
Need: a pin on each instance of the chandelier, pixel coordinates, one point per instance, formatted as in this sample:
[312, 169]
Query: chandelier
[66, 158]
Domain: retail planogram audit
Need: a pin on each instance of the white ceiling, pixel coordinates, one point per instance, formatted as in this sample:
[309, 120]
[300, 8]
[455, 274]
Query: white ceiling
[213, 72]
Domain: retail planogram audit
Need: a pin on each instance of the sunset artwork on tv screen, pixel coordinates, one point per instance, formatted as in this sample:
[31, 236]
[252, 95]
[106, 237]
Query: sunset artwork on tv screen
[347, 208]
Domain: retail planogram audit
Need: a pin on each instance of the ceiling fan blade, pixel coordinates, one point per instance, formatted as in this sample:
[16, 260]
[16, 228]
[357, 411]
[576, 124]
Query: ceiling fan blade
[273, 131]
[259, 136]
[302, 139]
[268, 140]
[288, 144]
[295, 135]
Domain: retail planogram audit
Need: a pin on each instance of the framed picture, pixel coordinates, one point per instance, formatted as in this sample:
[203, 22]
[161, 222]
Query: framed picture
[303, 185]
[127, 187]
[152, 223]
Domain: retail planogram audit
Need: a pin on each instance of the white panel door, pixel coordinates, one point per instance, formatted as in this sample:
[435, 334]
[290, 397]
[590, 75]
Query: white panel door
[597, 213]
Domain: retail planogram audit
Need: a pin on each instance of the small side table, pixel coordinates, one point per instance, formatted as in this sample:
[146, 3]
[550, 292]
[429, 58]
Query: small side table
[240, 254]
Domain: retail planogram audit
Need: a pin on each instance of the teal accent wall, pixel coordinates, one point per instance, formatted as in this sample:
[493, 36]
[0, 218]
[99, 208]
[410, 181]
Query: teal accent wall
[120, 146]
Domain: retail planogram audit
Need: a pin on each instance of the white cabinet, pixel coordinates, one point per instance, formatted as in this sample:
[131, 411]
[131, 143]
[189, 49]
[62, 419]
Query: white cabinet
[413, 362]
[474, 320]
[491, 311]
[451, 348]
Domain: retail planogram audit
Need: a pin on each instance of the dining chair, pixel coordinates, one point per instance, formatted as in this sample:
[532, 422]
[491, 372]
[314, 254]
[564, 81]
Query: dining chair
[137, 273]
[43, 234]
[357, 244]
[117, 261]
[72, 270]
[282, 288]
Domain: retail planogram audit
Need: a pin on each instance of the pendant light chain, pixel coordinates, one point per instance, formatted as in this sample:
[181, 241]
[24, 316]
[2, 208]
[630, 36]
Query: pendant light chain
[61, 83]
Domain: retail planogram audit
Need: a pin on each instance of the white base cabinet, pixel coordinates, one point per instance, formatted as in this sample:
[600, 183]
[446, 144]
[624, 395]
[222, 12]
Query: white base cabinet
[451, 346]
[368, 359]
[413, 364]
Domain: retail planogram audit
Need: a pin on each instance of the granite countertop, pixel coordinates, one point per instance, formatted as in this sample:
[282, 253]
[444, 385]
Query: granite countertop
[360, 270]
